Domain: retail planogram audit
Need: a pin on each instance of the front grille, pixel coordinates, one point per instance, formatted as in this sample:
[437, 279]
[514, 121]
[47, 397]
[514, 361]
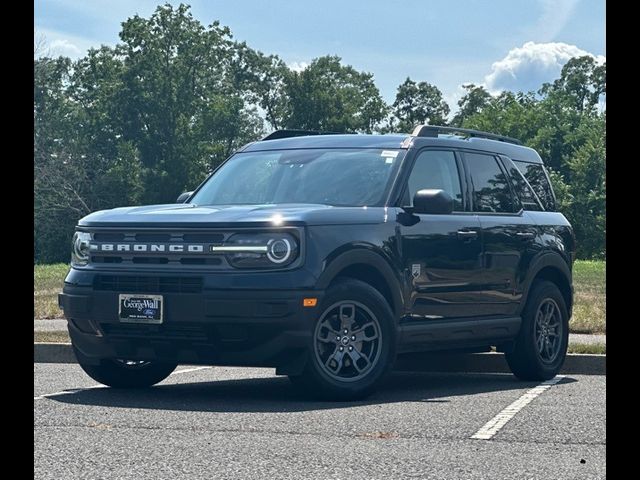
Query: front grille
[101, 259]
[203, 237]
[148, 284]
[152, 260]
[108, 237]
[148, 248]
[191, 332]
[153, 237]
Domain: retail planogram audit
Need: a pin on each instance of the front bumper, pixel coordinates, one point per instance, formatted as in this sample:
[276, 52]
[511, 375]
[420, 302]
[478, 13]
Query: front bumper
[267, 328]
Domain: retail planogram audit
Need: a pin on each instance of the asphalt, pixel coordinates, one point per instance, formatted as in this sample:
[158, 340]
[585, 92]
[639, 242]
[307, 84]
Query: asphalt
[60, 325]
[247, 423]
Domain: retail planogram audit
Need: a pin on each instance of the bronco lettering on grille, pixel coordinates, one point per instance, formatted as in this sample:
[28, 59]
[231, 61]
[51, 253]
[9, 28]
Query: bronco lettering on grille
[147, 247]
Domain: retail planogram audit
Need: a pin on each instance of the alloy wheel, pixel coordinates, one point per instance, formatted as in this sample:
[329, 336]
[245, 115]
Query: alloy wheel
[347, 341]
[548, 333]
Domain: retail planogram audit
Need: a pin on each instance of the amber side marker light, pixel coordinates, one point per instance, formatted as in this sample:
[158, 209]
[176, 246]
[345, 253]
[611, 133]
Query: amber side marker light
[309, 302]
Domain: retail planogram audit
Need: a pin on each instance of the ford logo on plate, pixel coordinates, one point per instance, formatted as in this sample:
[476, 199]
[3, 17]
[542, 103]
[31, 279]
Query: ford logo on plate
[149, 311]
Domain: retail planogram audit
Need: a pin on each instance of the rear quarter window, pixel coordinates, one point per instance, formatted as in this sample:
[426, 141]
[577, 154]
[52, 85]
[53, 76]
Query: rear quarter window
[537, 177]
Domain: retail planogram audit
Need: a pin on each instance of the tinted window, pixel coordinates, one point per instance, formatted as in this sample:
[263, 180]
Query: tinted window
[537, 177]
[491, 189]
[522, 189]
[437, 170]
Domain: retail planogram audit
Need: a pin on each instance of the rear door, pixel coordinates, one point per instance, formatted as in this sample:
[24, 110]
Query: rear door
[508, 232]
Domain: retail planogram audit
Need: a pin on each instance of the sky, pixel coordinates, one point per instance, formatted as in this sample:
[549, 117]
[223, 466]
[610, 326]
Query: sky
[501, 44]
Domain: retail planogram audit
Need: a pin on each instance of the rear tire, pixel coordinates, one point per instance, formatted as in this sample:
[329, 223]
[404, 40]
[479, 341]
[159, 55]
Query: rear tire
[123, 374]
[353, 346]
[541, 346]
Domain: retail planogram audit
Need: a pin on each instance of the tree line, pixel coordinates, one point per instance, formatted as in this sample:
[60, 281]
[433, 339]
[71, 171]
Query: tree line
[144, 120]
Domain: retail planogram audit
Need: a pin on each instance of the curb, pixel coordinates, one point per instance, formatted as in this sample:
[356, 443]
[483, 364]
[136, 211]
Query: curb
[575, 363]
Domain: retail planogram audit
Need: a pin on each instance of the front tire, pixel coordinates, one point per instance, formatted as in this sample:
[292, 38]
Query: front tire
[541, 346]
[353, 345]
[126, 374]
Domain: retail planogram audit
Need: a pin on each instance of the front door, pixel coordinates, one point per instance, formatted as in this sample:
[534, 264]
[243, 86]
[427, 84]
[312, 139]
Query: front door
[442, 254]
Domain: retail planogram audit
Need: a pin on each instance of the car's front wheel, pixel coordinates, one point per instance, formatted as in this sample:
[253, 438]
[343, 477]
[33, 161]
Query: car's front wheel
[120, 373]
[353, 343]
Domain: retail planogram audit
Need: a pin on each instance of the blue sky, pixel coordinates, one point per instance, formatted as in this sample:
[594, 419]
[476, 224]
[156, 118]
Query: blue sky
[503, 44]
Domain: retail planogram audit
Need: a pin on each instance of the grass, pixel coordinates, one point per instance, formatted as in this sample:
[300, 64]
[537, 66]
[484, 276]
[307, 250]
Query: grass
[593, 348]
[51, 337]
[589, 311]
[47, 283]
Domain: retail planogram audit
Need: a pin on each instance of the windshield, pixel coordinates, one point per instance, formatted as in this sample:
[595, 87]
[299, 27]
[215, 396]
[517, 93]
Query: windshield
[341, 177]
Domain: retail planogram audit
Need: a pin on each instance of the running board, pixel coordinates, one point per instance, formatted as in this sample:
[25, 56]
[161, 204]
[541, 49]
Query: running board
[457, 333]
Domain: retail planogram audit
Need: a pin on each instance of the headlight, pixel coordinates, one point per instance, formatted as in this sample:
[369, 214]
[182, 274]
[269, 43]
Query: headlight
[259, 250]
[80, 249]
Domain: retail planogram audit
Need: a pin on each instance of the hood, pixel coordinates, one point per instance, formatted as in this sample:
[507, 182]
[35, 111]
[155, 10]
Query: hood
[189, 215]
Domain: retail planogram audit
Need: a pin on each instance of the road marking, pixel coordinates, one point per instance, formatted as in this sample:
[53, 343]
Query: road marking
[69, 391]
[187, 370]
[494, 425]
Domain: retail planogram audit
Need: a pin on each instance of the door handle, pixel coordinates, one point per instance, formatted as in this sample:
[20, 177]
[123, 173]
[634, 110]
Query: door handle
[525, 235]
[467, 235]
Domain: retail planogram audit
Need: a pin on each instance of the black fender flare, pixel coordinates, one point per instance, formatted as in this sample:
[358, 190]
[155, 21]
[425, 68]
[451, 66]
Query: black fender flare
[548, 259]
[368, 257]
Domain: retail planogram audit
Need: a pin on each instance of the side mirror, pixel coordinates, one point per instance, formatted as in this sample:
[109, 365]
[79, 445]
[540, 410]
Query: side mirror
[432, 201]
[184, 197]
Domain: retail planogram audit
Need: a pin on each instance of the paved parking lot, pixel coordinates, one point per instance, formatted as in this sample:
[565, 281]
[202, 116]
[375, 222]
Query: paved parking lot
[247, 423]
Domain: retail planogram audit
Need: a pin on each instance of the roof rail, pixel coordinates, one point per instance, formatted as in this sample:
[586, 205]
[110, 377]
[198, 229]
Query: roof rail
[434, 130]
[294, 133]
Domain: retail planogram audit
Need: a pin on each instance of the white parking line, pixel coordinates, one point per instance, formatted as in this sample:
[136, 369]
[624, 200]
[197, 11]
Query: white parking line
[76, 390]
[494, 425]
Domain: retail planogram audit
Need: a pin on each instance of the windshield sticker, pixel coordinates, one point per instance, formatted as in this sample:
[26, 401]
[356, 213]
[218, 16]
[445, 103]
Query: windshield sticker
[389, 153]
[388, 160]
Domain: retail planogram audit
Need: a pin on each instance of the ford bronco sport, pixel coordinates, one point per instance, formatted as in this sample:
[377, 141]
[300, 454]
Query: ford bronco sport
[327, 255]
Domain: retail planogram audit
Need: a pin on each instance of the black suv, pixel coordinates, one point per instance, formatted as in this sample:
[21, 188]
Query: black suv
[327, 255]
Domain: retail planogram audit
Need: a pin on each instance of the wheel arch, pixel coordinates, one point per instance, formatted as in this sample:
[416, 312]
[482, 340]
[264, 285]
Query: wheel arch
[554, 268]
[369, 267]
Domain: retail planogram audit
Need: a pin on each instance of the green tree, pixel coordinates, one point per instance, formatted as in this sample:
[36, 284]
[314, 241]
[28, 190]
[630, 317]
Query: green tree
[263, 79]
[176, 70]
[582, 81]
[417, 103]
[471, 103]
[333, 97]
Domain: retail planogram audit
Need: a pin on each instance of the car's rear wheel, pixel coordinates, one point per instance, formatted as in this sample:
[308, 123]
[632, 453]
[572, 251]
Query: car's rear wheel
[121, 373]
[541, 345]
[353, 343]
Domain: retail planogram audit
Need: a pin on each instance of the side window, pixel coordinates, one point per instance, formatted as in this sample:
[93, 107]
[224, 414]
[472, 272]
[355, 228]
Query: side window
[521, 188]
[490, 185]
[435, 169]
[537, 177]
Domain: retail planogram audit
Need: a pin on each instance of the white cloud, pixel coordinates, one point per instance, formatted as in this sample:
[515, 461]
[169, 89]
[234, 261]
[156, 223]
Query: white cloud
[54, 43]
[526, 68]
[65, 48]
[297, 66]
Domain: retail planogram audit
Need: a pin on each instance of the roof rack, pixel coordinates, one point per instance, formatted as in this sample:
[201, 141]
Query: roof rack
[294, 133]
[434, 130]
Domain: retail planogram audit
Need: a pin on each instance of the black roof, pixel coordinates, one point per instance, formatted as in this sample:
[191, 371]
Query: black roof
[397, 141]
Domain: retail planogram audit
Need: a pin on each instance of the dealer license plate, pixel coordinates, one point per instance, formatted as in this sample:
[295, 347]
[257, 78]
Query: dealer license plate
[140, 308]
